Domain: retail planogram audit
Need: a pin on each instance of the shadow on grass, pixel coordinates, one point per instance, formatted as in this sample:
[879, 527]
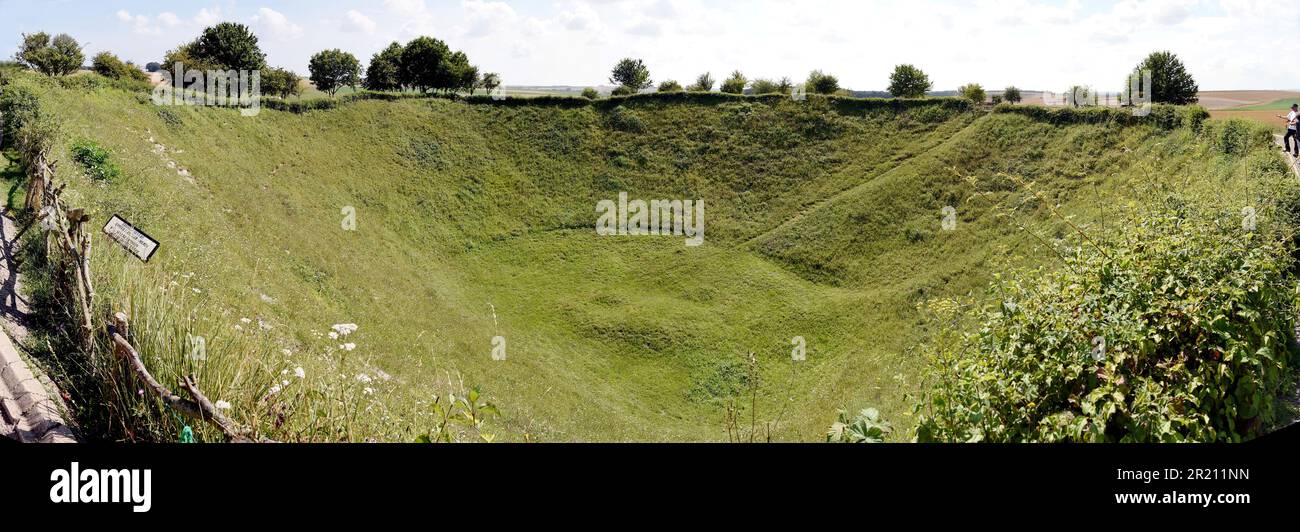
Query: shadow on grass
[11, 173]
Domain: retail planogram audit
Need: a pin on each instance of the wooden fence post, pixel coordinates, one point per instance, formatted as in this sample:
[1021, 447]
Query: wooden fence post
[122, 327]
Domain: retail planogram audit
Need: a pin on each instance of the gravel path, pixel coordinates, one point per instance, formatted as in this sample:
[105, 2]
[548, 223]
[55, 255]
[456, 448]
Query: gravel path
[30, 406]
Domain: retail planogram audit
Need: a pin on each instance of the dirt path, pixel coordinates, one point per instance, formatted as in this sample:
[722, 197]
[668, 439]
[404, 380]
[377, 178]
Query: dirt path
[1293, 398]
[31, 409]
[1295, 164]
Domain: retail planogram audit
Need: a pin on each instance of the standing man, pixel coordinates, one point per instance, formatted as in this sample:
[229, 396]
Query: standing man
[1291, 142]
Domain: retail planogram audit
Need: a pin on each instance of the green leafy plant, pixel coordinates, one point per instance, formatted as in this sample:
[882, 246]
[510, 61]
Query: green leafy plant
[469, 411]
[95, 159]
[867, 427]
[1174, 325]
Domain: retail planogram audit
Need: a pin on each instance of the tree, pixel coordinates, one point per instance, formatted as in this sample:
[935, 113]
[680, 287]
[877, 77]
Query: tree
[472, 78]
[973, 92]
[622, 91]
[1170, 81]
[735, 84]
[109, 66]
[765, 86]
[334, 69]
[590, 94]
[490, 81]
[458, 74]
[1079, 96]
[384, 71]
[424, 64]
[784, 85]
[670, 86]
[704, 83]
[822, 83]
[59, 56]
[184, 56]
[1011, 94]
[907, 81]
[281, 82]
[229, 45]
[631, 73]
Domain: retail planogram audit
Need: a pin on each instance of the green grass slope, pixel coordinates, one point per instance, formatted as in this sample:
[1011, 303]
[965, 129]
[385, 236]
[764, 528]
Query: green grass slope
[475, 221]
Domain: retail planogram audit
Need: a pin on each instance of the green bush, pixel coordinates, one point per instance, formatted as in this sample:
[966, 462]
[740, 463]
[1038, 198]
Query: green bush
[109, 66]
[26, 126]
[624, 119]
[18, 106]
[930, 114]
[1236, 136]
[1167, 117]
[1174, 325]
[95, 159]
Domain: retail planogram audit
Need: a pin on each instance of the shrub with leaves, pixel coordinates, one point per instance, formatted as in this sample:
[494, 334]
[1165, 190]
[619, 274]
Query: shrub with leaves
[867, 427]
[1175, 325]
[468, 411]
[624, 119]
[95, 159]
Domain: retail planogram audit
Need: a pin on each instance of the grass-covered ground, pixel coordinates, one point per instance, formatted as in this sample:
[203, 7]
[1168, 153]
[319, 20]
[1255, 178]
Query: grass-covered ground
[476, 221]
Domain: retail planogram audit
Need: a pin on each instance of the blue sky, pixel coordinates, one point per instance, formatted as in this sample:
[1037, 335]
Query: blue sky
[1227, 44]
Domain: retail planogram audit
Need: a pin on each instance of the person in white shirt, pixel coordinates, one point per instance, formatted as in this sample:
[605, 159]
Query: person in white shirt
[1291, 142]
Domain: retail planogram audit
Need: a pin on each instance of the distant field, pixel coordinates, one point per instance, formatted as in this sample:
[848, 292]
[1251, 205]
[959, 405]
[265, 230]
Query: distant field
[1276, 105]
[1220, 100]
[1266, 117]
[1259, 106]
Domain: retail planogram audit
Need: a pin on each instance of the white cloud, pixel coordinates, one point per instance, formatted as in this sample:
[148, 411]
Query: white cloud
[414, 15]
[276, 25]
[207, 17]
[355, 21]
[485, 18]
[646, 28]
[580, 17]
[140, 24]
[169, 19]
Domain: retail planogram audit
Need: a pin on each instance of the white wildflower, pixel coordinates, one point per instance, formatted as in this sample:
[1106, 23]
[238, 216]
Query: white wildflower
[348, 346]
[363, 378]
[222, 405]
[299, 372]
[345, 329]
[369, 390]
[334, 335]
